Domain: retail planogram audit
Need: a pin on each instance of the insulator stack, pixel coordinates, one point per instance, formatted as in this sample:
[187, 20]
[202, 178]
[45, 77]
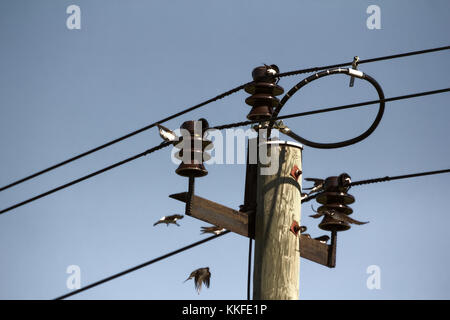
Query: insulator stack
[193, 146]
[335, 198]
[263, 90]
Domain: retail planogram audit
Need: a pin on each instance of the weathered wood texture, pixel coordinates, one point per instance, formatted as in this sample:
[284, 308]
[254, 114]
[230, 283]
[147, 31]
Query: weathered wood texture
[277, 255]
[240, 223]
[217, 214]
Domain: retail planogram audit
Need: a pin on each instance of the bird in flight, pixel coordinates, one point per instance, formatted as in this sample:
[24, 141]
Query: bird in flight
[201, 275]
[318, 185]
[342, 217]
[214, 229]
[169, 220]
[166, 134]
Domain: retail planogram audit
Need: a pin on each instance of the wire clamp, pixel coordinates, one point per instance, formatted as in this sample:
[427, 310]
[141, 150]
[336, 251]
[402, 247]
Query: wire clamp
[354, 67]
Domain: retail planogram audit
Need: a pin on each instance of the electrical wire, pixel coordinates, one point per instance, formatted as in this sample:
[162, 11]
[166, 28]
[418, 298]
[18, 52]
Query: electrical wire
[226, 126]
[249, 272]
[385, 179]
[394, 56]
[110, 143]
[218, 97]
[329, 72]
[93, 174]
[140, 266]
[406, 176]
[347, 106]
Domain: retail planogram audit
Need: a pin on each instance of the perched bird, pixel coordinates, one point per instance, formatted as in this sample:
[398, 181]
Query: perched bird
[201, 275]
[344, 181]
[323, 239]
[337, 216]
[272, 69]
[318, 185]
[169, 220]
[214, 229]
[166, 134]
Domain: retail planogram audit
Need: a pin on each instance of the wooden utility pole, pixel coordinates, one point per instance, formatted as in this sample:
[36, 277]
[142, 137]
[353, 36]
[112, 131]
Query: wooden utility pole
[276, 272]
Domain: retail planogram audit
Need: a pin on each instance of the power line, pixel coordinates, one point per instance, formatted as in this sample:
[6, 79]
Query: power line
[218, 97]
[249, 272]
[385, 179]
[93, 174]
[226, 126]
[140, 266]
[395, 56]
[107, 144]
[406, 176]
[347, 106]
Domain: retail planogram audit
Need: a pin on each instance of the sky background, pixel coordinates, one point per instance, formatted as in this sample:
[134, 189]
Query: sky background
[65, 91]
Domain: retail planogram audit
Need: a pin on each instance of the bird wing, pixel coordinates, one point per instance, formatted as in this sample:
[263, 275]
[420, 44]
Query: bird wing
[159, 221]
[207, 278]
[317, 215]
[343, 217]
[172, 217]
[193, 273]
[166, 134]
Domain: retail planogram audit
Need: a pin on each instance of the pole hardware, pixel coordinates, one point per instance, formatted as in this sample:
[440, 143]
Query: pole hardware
[192, 154]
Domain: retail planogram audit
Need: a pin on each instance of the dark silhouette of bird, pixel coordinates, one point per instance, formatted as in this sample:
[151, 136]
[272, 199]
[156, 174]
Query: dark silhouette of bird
[318, 185]
[338, 216]
[344, 182]
[166, 134]
[272, 69]
[214, 230]
[323, 239]
[201, 275]
[169, 220]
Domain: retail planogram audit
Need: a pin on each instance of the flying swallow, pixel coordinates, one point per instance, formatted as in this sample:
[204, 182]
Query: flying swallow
[354, 67]
[166, 134]
[169, 220]
[323, 239]
[201, 275]
[318, 185]
[214, 229]
[336, 216]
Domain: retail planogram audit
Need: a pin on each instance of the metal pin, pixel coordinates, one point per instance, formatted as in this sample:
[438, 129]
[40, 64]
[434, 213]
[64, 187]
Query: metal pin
[354, 67]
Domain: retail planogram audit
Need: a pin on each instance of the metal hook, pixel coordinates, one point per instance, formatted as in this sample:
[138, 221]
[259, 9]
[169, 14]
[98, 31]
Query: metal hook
[354, 67]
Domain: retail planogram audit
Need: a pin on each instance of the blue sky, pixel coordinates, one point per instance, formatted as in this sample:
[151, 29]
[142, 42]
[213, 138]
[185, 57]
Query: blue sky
[64, 91]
